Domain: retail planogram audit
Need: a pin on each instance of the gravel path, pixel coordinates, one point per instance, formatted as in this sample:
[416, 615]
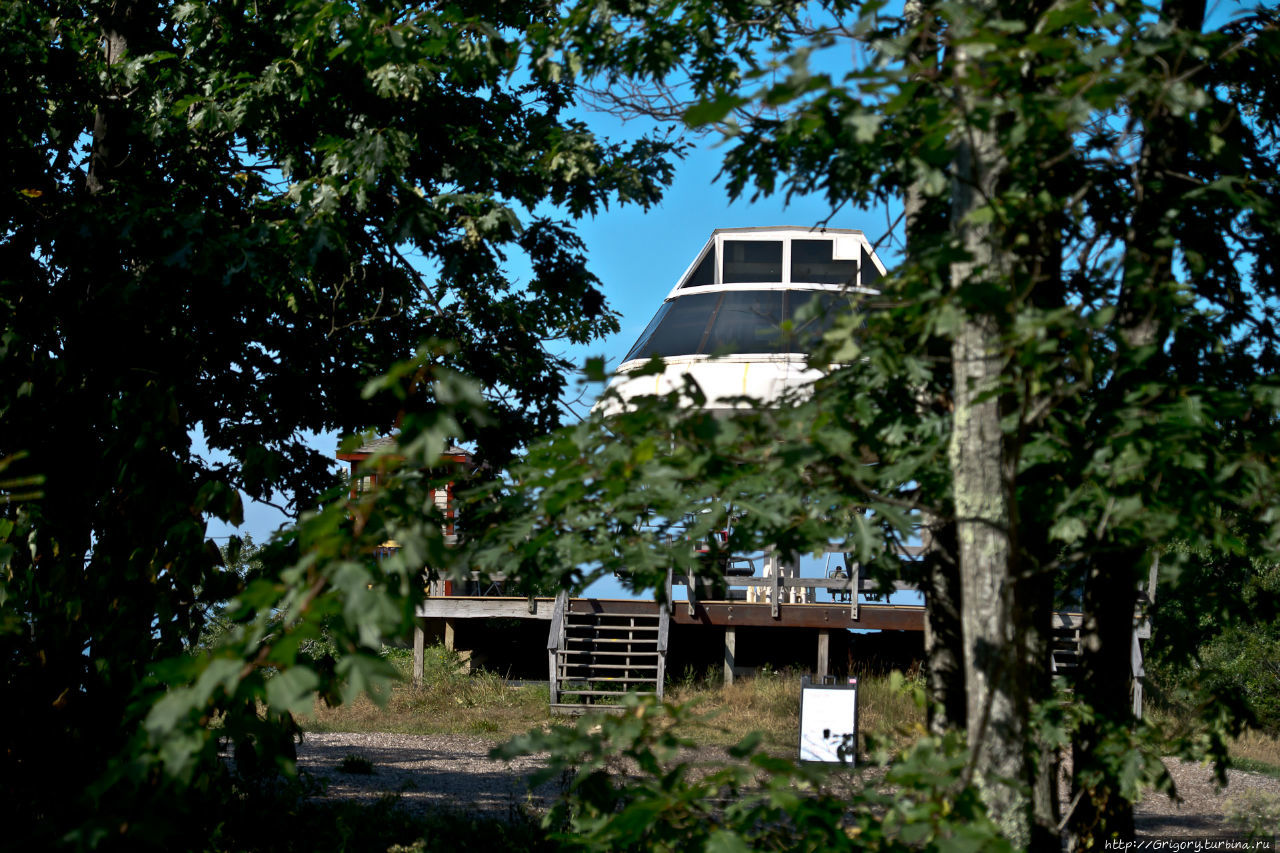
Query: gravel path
[1204, 805]
[455, 772]
[428, 771]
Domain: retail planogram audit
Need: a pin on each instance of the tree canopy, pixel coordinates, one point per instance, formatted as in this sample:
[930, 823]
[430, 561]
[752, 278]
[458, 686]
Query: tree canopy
[227, 218]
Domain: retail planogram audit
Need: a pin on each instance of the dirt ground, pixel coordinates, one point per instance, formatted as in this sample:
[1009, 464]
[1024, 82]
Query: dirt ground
[455, 772]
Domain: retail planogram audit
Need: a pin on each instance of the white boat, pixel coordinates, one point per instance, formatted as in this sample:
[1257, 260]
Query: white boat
[743, 317]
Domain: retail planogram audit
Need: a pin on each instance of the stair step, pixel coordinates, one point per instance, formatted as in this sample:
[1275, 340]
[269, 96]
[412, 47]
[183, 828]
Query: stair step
[647, 636]
[583, 619]
[567, 710]
[611, 637]
[607, 692]
[640, 655]
[588, 643]
[612, 617]
[625, 667]
[603, 679]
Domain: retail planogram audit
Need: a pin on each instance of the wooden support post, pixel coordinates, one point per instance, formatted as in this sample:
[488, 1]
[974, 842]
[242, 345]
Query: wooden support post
[855, 578]
[1138, 674]
[450, 639]
[1153, 578]
[419, 652]
[824, 653]
[692, 586]
[730, 652]
[775, 590]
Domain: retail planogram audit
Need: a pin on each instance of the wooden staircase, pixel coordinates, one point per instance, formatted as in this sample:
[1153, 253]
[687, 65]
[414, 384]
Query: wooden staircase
[1064, 651]
[597, 658]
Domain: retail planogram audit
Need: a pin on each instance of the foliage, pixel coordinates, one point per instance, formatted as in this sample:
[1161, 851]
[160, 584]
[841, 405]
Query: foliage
[1255, 812]
[631, 788]
[242, 557]
[1096, 223]
[223, 219]
[355, 764]
[1221, 646]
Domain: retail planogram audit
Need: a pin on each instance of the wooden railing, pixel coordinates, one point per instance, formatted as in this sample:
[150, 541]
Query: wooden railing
[773, 587]
[555, 641]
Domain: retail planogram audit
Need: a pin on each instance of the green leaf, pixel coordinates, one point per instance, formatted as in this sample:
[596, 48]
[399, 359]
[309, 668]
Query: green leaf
[710, 111]
[292, 690]
[1067, 530]
[724, 841]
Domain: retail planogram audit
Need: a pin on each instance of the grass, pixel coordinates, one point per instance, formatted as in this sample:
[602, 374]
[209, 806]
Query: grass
[770, 702]
[453, 702]
[1253, 750]
[1257, 752]
[448, 702]
[485, 704]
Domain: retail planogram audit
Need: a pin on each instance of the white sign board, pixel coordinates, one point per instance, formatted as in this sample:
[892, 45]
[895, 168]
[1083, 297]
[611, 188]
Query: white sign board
[828, 721]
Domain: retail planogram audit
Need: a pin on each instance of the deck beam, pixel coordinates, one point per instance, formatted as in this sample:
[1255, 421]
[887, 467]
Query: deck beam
[887, 617]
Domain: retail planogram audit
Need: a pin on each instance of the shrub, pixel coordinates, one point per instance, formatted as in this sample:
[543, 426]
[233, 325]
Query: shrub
[754, 802]
[356, 765]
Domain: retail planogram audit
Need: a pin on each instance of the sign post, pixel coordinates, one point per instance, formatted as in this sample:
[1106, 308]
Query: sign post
[829, 721]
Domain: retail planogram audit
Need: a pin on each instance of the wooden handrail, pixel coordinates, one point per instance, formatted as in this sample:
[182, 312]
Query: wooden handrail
[555, 639]
[838, 584]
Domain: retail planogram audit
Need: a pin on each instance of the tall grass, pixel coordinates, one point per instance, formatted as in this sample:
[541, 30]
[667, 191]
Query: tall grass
[451, 701]
[1253, 750]
[770, 702]
[1256, 751]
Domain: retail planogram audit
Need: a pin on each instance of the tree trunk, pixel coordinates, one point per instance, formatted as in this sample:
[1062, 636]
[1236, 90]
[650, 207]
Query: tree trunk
[997, 700]
[943, 639]
[1109, 599]
[110, 147]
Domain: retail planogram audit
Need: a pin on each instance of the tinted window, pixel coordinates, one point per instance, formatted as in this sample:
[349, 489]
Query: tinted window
[747, 322]
[752, 261]
[648, 331]
[705, 272]
[679, 327]
[811, 314]
[811, 263]
[870, 273]
[741, 322]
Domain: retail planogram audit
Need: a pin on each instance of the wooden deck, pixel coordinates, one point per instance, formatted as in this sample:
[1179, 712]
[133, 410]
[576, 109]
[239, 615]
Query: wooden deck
[824, 620]
[873, 617]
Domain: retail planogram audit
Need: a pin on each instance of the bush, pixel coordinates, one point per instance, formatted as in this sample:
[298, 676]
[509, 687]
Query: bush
[631, 786]
[356, 765]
